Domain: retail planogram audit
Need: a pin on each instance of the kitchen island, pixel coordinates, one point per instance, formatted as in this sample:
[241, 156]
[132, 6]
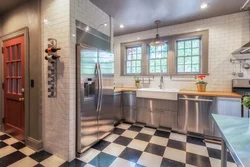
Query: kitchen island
[235, 133]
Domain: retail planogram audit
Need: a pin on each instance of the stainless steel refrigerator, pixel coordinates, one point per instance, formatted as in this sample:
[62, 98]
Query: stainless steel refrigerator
[95, 114]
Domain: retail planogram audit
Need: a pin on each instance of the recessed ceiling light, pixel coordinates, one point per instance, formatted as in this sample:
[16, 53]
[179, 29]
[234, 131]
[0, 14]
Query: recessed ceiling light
[105, 24]
[45, 20]
[121, 26]
[87, 28]
[73, 35]
[204, 5]
[138, 38]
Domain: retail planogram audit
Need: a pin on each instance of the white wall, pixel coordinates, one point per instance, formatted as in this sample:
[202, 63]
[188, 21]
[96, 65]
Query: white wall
[226, 34]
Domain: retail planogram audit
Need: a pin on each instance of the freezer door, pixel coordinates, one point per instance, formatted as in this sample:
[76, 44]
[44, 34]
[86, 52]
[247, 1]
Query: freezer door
[87, 98]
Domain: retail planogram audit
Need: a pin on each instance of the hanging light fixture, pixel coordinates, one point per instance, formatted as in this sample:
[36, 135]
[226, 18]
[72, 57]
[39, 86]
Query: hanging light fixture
[157, 41]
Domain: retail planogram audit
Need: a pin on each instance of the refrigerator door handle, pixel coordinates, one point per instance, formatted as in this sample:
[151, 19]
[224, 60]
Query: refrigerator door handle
[97, 96]
[101, 87]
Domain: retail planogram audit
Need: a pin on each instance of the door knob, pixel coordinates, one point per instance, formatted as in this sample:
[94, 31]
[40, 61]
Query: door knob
[22, 90]
[21, 99]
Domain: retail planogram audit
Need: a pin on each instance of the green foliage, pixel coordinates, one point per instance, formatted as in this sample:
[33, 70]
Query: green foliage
[246, 101]
[137, 80]
[201, 82]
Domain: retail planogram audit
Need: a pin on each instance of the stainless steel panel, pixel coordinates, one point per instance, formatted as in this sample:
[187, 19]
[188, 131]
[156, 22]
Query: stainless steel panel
[117, 108]
[87, 130]
[129, 99]
[129, 114]
[169, 119]
[142, 115]
[226, 106]
[194, 114]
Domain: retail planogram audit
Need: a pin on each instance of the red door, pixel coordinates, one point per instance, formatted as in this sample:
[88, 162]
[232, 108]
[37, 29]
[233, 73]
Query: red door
[13, 87]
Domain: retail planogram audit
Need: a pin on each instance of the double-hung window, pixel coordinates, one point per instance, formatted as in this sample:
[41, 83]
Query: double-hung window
[158, 59]
[189, 56]
[182, 54]
[133, 60]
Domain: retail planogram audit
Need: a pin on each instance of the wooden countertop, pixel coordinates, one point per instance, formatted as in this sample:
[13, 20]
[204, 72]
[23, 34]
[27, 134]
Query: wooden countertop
[125, 89]
[208, 93]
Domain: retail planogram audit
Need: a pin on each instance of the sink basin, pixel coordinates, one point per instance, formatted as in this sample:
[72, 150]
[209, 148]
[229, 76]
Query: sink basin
[152, 93]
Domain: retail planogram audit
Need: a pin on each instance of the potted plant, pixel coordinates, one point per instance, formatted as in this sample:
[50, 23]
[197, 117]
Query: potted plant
[137, 82]
[201, 84]
[246, 102]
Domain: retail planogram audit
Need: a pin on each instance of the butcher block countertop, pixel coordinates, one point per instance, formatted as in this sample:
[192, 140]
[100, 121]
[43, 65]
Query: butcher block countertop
[125, 89]
[208, 93]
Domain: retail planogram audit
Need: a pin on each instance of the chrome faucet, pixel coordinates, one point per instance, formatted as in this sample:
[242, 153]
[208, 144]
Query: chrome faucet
[161, 82]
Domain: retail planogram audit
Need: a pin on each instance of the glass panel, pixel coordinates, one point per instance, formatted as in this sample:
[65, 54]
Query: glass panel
[157, 69]
[152, 69]
[152, 62]
[196, 51]
[129, 57]
[152, 49]
[165, 47]
[138, 70]
[138, 63]
[13, 85]
[163, 62]
[19, 69]
[128, 70]
[152, 55]
[196, 43]
[181, 52]
[157, 62]
[139, 56]
[18, 51]
[188, 60]
[8, 54]
[134, 51]
[128, 64]
[180, 68]
[138, 50]
[195, 68]
[158, 48]
[133, 63]
[195, 60]
[13, 52]
[180, 60]
[158, 55]
[164, 54]
[188, 52]
[129, 51]
[19, 86]
[187, 68]
[133, 69]
[164, 68]
[9, 85]
[187, 44]
[8, 69]
[181, 45]
[134, 57]
[13, 69]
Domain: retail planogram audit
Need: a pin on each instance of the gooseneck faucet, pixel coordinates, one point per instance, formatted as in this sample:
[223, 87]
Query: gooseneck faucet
[161, 81]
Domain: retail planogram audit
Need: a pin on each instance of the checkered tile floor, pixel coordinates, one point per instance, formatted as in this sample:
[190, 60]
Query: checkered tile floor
[128, 146]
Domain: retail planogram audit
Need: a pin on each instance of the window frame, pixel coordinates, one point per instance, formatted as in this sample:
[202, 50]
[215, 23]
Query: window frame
[172, 54]
[126, 59]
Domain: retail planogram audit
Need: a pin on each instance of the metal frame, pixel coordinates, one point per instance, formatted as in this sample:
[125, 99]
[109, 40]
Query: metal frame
[171, 58]
[20, 32]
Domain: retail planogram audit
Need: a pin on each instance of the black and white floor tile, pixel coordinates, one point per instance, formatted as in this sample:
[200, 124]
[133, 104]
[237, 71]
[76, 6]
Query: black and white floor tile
[128, 146]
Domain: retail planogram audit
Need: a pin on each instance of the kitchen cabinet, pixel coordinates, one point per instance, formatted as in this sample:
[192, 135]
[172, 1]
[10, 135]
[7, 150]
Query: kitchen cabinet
[157, 113]
[117, 107]
[129, 106]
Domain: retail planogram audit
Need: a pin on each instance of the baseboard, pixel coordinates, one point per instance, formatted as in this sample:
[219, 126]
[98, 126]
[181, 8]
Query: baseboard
[35, 144]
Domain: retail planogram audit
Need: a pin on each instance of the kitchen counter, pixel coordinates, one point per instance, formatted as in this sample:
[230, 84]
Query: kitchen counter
[208, 93]
[236, 136]
[125, 89]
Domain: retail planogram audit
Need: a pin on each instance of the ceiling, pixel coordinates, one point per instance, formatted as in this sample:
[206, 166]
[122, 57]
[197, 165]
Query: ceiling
[139, 15]
[7, 5]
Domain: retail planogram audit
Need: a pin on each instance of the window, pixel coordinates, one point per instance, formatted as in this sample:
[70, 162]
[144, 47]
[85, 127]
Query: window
[188, 56]
[133, 60]
[182, 54]
[158, 59]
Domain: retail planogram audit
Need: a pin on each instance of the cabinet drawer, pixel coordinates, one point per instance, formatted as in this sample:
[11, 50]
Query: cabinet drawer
[129, 114]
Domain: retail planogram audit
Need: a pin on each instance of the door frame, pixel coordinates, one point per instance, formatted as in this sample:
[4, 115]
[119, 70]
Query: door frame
[20, 32]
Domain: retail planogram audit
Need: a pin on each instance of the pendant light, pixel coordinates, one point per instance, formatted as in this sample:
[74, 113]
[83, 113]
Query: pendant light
[157, 41]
